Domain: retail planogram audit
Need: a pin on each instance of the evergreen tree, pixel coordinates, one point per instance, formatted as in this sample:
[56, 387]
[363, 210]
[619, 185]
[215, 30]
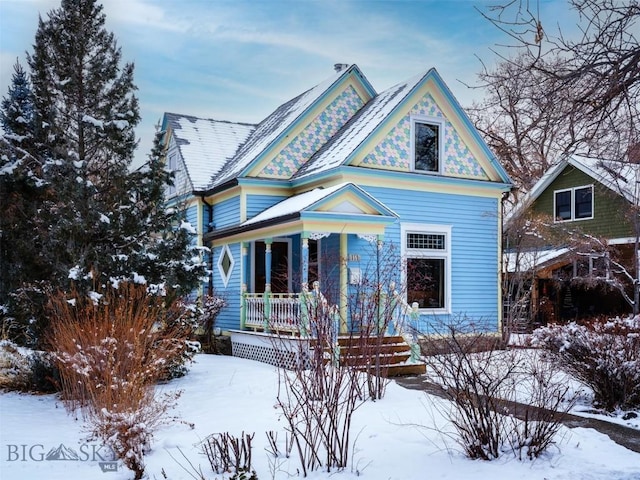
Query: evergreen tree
[16, 115]
[167, 257]
[94, 215]
[21, 191]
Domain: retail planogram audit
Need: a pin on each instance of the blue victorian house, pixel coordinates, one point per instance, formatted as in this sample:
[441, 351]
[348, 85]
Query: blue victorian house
[323, 187]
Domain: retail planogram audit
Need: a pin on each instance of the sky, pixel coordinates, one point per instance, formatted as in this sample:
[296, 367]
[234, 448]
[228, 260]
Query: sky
[238, 60]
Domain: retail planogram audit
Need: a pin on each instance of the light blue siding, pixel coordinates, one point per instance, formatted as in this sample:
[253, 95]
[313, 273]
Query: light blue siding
[259, 203]
[229, 317]
[474, 248]
[192, 216]
[226, 213]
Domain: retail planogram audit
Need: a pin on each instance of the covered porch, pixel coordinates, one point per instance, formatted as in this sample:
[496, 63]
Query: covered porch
[310, 246]
[303, 255]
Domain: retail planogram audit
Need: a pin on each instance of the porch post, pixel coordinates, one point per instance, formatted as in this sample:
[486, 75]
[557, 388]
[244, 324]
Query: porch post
[267, 285]
[343, 283]
[267, 264]
[382, 298]
[305, 259]
[244, 273]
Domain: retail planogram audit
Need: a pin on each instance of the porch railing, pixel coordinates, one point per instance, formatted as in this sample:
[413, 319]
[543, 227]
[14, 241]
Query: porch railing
[272, 311]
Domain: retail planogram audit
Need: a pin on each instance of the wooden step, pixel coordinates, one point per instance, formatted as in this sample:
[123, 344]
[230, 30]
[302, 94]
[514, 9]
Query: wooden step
[355, 340]
[406, 369]
[390, 353]
[358, 360]
[384, 349]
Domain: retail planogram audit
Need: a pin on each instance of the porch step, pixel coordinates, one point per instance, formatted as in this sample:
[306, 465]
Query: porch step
[391, 353]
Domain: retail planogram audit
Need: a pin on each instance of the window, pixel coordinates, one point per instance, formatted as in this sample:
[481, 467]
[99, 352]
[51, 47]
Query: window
[427, 144]
[427, 253]
[573, 204]
[225, 264]
[314, 261]
[584, 202]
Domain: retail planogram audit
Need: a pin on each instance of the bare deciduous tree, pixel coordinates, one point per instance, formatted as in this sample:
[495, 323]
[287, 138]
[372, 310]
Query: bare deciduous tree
[555, 92]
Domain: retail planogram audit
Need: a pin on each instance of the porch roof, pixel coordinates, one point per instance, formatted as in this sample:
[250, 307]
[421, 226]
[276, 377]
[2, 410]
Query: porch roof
[532, 260]
[343, 208]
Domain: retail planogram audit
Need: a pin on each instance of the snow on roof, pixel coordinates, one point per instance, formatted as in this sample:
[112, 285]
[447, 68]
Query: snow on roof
[206, 144]
[270, 129]
[347, 140]
[526, 261]
[620, 177]
[295, 204]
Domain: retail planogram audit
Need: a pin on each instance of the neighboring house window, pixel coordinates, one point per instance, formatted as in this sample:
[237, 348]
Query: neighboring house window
[172, 166]
[225, 264]
[427, 251]
[426, 138]
[593, 265]
[573, 204]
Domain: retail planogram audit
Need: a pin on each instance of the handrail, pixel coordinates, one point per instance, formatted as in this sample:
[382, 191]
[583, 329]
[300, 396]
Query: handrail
[413, 313]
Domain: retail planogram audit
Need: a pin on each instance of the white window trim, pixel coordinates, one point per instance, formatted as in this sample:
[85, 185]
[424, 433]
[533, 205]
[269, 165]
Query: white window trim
[225, 277]
[434, 121]
[445, 254]
[573, 204]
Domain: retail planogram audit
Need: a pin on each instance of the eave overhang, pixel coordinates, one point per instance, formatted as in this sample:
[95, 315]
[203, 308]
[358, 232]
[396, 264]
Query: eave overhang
[328, 222]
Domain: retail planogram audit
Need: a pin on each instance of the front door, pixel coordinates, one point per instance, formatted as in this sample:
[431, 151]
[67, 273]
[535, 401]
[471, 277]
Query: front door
[280, 268]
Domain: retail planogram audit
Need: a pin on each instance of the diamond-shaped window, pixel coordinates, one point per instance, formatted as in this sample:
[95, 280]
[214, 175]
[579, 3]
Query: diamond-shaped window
[225, 264]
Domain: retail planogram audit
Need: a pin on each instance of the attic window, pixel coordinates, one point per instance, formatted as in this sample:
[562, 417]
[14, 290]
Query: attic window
[225, 264]
[573, 204]
[426, 138]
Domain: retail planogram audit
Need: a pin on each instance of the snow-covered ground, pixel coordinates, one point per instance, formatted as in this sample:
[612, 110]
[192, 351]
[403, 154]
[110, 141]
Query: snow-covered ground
[394, 438]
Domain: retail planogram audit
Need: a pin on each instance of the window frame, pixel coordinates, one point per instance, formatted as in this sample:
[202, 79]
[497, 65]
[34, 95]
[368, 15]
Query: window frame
[573, 203]
[444, 254]
[427, 120]
[232, 262]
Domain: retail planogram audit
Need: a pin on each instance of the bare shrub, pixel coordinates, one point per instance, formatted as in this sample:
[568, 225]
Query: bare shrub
[483, 384]
[603, 354]
[319, 395]
[229, 454]
[111, 348]
[373, 307]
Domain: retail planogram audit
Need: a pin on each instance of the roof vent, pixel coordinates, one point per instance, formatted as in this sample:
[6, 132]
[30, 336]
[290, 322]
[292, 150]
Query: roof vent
[339, 67]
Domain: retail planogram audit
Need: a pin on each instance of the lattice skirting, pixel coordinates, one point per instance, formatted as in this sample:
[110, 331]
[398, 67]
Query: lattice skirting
[274, 350]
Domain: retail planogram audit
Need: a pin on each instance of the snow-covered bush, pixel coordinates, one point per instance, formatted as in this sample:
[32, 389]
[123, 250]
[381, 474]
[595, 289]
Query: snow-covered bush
[205, 313]
[14, 367]
[183, 322]
[27, 370]
[44, 376]
[128, 428]
[111, 349]
[604, 354]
